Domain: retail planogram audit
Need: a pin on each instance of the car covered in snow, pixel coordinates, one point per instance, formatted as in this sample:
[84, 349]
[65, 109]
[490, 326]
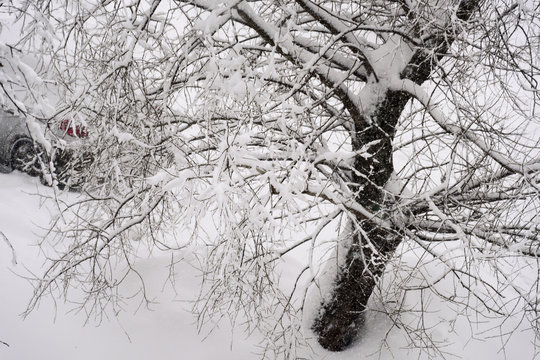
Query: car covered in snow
[19, 151]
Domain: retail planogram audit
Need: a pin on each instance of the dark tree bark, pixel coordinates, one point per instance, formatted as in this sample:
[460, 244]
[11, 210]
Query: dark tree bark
[342, 317]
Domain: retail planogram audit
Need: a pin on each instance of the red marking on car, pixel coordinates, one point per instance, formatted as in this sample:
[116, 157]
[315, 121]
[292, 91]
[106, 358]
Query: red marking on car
[73, 130]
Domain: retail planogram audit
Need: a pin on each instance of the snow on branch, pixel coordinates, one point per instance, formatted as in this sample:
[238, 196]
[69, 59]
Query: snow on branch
[295, 54]
[336, 25]
[445, 123]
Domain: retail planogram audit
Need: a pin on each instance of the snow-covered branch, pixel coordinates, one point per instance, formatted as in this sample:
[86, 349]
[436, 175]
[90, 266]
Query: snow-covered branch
[445, 123]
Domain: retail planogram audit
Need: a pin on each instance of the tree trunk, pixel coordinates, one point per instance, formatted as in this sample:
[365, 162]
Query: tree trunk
[342, 317]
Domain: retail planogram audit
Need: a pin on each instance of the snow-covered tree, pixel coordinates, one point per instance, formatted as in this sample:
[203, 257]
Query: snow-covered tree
[347, 132]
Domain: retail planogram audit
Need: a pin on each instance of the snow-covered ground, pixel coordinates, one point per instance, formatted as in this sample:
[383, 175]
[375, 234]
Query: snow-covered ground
[167, 330]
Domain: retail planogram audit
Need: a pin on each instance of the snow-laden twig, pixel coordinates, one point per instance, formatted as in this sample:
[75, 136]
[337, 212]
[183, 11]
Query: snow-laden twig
[13, 254]
[445, 218]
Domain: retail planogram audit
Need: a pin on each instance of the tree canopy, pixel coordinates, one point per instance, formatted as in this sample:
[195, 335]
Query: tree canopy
[347, 133]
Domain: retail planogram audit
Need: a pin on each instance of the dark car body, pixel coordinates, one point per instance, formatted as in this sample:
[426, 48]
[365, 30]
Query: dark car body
[17, 148]
[19, 151]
